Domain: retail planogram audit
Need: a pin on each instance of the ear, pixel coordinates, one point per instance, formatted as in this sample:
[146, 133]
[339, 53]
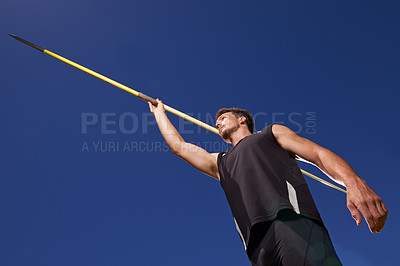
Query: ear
[242, 120]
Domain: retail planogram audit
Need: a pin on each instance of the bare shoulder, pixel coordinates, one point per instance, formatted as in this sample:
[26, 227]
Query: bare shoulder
[295, 144]
[286, 138]
[280, 130]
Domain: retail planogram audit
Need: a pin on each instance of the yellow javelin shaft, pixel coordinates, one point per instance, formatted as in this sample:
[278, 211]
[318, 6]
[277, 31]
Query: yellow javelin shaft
[148, 99]
[132, 91]
[322, 181]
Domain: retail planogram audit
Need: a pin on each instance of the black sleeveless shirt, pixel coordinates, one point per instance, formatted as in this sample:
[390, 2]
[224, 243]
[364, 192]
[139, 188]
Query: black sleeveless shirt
[259, 179]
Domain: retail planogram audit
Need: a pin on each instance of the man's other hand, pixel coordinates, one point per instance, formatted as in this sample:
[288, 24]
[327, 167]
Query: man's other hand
[362, 198]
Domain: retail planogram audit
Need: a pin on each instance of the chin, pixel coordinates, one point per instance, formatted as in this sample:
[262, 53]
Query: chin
[227, 133]
[226, 140]
[225, 136]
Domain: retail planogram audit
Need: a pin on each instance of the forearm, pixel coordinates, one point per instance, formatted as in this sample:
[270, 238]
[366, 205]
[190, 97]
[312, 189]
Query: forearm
[360, 197]
[337, 168]
[168, 131]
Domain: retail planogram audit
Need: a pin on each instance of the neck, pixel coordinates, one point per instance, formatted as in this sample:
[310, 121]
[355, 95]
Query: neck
[238, 135]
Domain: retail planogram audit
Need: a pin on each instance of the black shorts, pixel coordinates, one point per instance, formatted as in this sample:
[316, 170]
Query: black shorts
[291, 239]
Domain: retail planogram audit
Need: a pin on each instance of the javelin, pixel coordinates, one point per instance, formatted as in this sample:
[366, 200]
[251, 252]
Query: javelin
[146, 98]
[119, 85]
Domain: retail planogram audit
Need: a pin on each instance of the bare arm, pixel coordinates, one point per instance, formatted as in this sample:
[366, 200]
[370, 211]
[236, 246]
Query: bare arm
[360, 197]
[194, 155]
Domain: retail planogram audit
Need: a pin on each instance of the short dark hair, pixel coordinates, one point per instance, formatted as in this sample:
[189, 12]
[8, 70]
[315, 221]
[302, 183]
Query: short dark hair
[238, 113]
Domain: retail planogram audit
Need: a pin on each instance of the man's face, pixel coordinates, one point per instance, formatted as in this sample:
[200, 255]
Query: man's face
[227, 124]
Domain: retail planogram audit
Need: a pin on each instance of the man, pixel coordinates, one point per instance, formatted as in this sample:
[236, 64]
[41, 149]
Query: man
[273, 209]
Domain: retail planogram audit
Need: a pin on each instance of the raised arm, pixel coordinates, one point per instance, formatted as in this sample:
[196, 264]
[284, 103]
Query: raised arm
[360, 197]
[194, 155]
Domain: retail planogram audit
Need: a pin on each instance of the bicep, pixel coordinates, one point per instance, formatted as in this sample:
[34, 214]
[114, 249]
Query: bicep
[297, 145]
[200, 159]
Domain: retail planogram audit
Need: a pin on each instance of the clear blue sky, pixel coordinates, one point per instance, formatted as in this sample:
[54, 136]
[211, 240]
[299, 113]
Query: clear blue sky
[329, 71]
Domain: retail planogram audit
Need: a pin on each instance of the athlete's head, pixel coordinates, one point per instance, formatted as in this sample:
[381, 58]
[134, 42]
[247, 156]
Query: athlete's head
[229, 120]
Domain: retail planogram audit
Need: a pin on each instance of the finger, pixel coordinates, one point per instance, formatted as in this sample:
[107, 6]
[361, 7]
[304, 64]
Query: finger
[354, 212]
[383, 215]
[377, 214]
[369, 218]
[384, 207]
[160, 104]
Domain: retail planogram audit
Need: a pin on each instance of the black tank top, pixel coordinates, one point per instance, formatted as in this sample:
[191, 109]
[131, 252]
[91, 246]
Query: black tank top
[259, 179]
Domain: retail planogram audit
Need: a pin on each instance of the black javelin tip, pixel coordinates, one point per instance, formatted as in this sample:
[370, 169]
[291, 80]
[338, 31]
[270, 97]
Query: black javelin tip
[28, 43]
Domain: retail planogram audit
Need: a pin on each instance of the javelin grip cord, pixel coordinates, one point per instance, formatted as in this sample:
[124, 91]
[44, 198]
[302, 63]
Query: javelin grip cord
[147, 98]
